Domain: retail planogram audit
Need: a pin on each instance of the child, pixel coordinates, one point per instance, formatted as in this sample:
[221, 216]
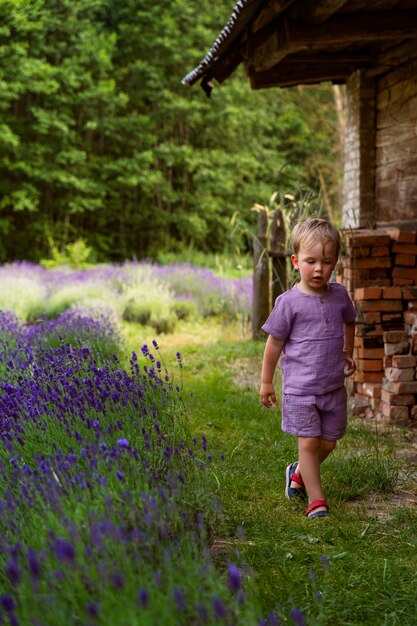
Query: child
[313, 326]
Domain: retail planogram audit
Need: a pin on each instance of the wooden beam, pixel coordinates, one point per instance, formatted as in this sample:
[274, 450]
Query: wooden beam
[289, 73]
[283, 37]
[330, 58]
[270, 12]
[316, 11]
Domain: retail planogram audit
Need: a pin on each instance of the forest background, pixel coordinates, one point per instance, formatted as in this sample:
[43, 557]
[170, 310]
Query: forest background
[99, 139]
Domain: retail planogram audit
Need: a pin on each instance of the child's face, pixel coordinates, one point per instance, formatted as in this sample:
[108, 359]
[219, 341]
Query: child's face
[315, 265]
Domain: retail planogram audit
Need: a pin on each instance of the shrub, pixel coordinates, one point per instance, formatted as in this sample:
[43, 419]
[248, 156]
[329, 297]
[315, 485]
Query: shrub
[24, 296]
[80, 327]
[106, 497]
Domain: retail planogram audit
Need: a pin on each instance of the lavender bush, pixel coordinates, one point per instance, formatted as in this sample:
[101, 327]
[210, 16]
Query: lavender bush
[105, 497]
[146, 293]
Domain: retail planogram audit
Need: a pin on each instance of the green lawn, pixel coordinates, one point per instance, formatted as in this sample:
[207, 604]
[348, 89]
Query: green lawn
[356, 567]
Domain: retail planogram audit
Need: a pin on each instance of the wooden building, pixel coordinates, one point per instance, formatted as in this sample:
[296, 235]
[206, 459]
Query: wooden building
[371, 47]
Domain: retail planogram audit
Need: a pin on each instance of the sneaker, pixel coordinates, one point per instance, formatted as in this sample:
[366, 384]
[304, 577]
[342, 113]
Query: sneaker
[290, 475]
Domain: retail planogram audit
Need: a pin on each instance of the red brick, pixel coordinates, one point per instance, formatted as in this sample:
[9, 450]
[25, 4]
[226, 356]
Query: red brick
[369, 353]
[394, 412]
[387, 361]
[403, 248]
[369, 263]
[369, 342]
[408, 260]
[400, 387]
[368, 293]
[366, 237]
[399, 375]
[370, 317]
[403, 360]
[392, 293]
[378, 277]
[403, 347]
[369, 365]
[368, 377]
[379, 251]
[412, 305]
[402, 236]
[395, 336]
[380, 305]
[394, 318]
[402, 282]
[359, 252]
[404, 399]
[404, 272]
[358, 275]
[409, 293]
[371, 390]
[413, 411]
[368, 330]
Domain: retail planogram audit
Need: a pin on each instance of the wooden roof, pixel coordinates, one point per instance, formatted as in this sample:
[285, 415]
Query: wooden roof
[289, 42]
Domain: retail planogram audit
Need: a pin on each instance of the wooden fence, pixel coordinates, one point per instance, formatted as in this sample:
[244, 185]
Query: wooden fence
[269, 266]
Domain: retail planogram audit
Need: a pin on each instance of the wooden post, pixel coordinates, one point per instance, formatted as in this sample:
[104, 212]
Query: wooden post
[278, 253]
[261, 306]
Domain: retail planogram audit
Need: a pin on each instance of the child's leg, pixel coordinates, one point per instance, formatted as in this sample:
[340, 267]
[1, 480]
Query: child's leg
[312, 452]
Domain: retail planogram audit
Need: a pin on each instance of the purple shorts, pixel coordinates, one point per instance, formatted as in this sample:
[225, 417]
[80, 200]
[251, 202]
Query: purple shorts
[323, 416]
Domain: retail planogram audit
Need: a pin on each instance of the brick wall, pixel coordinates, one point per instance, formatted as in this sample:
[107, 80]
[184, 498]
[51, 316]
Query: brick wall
[379, 270]
[359, 152]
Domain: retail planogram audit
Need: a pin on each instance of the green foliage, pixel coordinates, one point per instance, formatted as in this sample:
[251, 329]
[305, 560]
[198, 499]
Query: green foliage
[76, 255]
[101, 142]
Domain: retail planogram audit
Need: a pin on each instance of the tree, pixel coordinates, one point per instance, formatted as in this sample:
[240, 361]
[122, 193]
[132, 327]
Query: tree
[100, 140]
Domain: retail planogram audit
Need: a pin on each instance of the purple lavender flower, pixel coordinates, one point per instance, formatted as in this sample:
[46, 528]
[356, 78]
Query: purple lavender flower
[234, 579]
[92, 609]
[64, 550]
[117, 580]
[297, 617]
[13, 571]
[219, 608]
[143, 597]
[324, 560]
[123, 443]
[179, 598]
[7, 603]
[33, 562]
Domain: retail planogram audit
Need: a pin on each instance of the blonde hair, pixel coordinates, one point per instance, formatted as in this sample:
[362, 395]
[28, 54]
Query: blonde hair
[313, 230]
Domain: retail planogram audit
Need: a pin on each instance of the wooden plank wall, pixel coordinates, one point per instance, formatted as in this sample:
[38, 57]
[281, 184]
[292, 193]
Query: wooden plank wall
[396, 138]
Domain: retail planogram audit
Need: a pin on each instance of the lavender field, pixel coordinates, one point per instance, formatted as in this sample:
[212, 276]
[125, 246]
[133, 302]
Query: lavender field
[107, 500]
[149, 294]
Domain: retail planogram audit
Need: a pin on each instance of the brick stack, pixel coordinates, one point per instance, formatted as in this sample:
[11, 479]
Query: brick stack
[380, 274]
[399, 385]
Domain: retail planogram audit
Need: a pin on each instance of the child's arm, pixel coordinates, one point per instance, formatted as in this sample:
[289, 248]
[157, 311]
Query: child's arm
[349, 339]
[273, 349]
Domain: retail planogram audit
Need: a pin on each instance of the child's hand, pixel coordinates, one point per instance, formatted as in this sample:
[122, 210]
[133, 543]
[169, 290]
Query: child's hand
[350, 366]
[267, 395]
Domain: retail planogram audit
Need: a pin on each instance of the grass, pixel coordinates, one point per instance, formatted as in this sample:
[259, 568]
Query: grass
[357, 566]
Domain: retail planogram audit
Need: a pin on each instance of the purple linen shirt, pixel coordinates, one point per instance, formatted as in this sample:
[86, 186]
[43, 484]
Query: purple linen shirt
[312, 359]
